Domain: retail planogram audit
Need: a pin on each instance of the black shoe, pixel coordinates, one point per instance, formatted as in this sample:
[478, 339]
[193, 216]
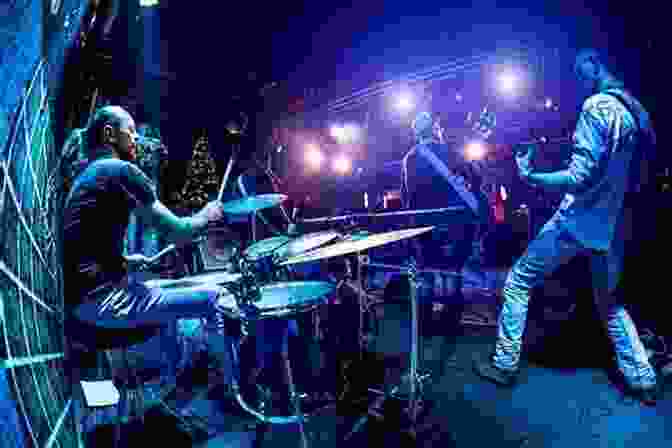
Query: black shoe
[486, 369]
[649, 396]
[646, 395]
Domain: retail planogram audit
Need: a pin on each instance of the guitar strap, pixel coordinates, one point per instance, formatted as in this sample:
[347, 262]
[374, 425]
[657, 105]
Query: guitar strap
[642, 156]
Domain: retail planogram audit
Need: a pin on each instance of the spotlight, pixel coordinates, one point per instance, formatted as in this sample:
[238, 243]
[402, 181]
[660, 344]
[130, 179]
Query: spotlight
[404, 102]
[338, 132]
[548, 103]
[351, 132]
[458, 97]
[314, 156]
[475, 151]
[508, 82]
[342, 165]
[279, 149]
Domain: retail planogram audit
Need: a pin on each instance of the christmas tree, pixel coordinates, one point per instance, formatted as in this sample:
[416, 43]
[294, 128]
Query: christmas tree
[202, 180]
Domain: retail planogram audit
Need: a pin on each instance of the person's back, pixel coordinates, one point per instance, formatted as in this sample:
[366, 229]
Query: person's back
[96, 215]
[427, 188]
[595, 212]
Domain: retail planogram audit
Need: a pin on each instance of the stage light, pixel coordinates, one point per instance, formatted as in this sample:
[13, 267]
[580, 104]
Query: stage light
[338, 132]
[342, 165]
[279, 149]
[314, 156]
[458, 97]
[475, 151]
[351, 132]
[404, 102]
[548, 103]
[149, 3]
[508, 82]
[502, 192]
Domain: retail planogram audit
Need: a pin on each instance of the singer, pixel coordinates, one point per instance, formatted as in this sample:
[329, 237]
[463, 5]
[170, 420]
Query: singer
[612, 142]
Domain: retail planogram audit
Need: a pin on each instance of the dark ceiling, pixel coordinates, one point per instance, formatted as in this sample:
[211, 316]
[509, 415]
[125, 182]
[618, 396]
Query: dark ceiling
[209, 48]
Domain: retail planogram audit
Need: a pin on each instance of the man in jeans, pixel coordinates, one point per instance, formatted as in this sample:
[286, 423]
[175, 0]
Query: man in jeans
[610, 145]
[99, 291]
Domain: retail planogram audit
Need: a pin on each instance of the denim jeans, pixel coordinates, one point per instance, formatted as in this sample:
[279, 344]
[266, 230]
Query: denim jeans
[553, 247]
[132, 303]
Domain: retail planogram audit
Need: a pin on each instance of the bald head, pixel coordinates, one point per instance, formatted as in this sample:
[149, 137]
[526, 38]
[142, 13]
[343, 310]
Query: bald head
[113, 126]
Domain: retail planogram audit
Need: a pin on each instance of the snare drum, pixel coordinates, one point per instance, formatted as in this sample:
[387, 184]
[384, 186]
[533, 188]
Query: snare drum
[282, 300]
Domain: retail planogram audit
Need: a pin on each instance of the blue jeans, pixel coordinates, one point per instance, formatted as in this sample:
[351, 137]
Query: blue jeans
[553, 247]
[132, 303]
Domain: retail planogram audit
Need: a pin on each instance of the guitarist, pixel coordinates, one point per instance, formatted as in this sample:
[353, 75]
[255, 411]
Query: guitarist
[604, 182]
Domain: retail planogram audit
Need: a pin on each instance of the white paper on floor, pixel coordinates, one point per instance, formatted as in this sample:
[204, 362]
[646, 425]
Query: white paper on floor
[100, 393]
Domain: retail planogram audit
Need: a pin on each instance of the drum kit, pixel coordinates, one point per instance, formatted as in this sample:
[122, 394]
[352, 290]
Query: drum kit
[261, 287]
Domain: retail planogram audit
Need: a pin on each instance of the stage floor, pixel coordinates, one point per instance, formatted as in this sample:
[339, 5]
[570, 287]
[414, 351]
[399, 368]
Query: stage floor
[562, 406]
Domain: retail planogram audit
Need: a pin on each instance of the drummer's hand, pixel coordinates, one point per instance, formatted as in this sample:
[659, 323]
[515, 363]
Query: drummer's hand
[213, 211]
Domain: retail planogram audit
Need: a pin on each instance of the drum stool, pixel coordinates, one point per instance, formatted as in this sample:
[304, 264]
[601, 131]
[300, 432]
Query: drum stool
[101, 358]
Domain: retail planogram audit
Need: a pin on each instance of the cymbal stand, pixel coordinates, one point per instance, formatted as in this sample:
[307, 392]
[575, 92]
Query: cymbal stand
[415, 380]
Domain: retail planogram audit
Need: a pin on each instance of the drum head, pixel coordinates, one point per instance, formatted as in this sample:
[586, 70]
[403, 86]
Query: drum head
[194, 281]
[283, 299]
[265, 247]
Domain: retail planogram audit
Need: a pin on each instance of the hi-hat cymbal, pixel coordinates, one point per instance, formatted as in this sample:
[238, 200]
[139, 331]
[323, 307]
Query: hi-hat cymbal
[356, 245]
[253, 204]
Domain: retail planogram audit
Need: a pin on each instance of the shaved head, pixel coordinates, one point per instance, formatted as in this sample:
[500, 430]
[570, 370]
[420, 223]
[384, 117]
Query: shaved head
[107, 126]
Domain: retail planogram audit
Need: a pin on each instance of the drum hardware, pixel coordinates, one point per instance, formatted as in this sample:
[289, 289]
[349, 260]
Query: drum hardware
[415, 381]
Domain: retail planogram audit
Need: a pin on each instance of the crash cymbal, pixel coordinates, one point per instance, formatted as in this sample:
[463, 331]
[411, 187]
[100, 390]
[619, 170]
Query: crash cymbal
[253, 204]
[356, 245]
[307, 243]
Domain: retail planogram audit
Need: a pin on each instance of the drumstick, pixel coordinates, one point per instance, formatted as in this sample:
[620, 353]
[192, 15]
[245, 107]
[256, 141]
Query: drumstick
[227, 173]
[169, 248]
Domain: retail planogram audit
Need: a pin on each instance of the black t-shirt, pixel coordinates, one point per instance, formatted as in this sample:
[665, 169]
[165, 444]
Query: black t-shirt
[95, 219]
[425, 187]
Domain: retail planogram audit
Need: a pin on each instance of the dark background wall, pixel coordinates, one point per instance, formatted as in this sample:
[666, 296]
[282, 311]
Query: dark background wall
[35, 405]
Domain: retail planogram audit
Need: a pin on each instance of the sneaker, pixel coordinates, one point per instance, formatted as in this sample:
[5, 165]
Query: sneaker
[487, 370]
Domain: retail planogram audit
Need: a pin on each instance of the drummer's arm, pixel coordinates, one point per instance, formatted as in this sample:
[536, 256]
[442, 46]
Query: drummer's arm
[175, 228]
[141, 194]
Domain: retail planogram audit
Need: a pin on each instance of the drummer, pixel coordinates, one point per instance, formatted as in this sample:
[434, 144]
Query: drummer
[99, 290]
